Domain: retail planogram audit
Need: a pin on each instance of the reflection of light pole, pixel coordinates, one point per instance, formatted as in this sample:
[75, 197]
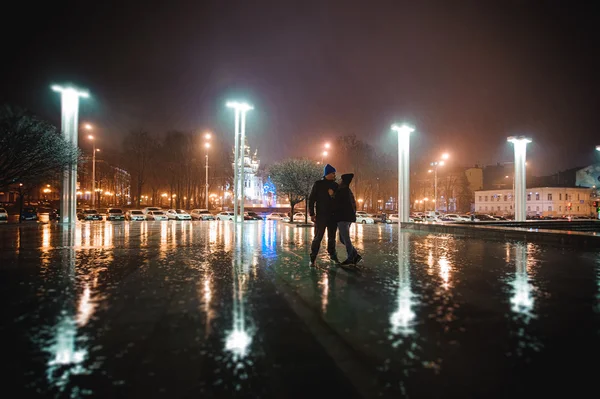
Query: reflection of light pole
[404, 132]
[207, 146]
[240, 150]
[70, 112]
[520, 146]
[401, 319]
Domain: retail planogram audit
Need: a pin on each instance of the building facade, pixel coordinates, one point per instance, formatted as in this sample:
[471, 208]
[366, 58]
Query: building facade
[542, 201]
[253, 184]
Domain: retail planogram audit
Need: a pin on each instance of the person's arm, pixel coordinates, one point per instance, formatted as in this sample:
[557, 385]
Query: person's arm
[312, 198]
[352, 201]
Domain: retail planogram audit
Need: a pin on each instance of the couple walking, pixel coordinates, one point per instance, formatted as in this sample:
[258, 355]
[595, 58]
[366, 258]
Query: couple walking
[335, 210]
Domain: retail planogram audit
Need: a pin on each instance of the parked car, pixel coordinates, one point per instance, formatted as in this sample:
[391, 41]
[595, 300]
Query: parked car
[393, 218]
[364, 218]
[135, 214]
[277, 216]
[253, 215]
[88, 214]
[54, 215]
[178, 214]
[29, 213]
[156, 215]
[472, 218]
[3, 215]
[453, 217]
[485, 218]
[115, 214]
[201, 214]
[299, 217]
[150, 209]
[225, 216]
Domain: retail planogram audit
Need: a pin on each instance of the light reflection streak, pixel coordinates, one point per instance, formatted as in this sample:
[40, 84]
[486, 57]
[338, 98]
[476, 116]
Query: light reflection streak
[445, 271]
[522, 300]
[66, 351]
[402, 319]
[324, 282]
[46, 234]
[239, 338]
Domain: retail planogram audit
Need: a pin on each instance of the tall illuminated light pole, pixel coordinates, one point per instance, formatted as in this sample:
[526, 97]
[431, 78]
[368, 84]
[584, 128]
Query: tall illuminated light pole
[94, 150]
[404, 132]
[435, 168]
[520, 146]
[207, 146]
[238, 158]
[70, 113]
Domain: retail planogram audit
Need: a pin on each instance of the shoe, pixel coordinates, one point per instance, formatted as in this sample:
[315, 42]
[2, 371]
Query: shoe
[347, 262]
[334, 258]
[357, 259]
[313, 261]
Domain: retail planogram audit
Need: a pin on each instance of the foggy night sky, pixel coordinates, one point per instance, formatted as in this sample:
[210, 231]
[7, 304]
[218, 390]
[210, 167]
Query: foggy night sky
[466, 73]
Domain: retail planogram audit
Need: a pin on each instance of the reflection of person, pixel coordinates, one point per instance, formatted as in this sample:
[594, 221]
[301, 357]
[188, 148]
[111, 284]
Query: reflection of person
[321, 195]
[345, 215]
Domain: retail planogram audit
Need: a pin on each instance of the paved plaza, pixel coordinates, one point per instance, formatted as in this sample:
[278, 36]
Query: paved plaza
[207, 310]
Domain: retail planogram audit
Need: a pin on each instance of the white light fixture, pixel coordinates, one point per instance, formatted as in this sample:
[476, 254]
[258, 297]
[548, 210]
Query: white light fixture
[240, 143]
[404, 132]
[69, 124]
[520, 147]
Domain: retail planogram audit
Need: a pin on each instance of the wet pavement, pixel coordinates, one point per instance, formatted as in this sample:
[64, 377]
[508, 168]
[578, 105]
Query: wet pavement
[200, 309]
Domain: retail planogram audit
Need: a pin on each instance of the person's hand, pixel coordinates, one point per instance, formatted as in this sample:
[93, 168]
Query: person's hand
[331, 192]
[313, 218]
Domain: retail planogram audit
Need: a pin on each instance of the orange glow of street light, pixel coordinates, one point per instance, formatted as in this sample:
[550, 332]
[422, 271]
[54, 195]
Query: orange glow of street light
[90, 137]
[327, 145]
[88, 126]
[207, 145]
[207, 136]
[445, 155]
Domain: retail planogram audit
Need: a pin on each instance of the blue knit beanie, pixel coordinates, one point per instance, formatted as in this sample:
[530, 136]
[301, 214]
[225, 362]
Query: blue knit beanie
[328, 169]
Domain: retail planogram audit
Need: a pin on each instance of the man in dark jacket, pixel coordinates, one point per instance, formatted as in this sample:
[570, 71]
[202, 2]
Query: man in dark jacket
[345, 215]
[321, 195]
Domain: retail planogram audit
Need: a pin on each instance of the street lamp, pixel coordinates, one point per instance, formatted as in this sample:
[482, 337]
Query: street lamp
[69, 116]
[435, 165]
[207, 146]
[240, 143]
[94, 150]
[598, 148]
[404, 132]
[520, 146]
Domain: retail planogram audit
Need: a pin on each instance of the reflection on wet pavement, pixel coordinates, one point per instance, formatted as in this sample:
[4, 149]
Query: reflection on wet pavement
[210, 309]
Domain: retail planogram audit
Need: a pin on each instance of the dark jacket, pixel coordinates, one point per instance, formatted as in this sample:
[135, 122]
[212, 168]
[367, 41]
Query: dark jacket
[345, 205]
[319, 196]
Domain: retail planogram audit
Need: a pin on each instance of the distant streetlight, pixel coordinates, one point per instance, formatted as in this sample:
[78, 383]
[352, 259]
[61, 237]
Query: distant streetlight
[327, 145]
[238, 171]
[324, 154]
[435, 165]
[598, 148]
[94, 150]
[520, 147]
[69, 116]
[207, 146]
[404, 132]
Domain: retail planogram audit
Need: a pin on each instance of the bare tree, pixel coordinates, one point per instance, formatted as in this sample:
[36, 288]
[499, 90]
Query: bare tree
[138, 147]
[31, 150]
[295, 178]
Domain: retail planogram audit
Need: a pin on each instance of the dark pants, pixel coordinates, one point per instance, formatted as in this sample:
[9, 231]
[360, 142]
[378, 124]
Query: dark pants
[344, 228]
[320, 227]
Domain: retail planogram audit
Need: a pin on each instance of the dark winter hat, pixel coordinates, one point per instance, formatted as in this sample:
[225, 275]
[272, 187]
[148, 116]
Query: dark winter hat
[328, 169]
[347, 178]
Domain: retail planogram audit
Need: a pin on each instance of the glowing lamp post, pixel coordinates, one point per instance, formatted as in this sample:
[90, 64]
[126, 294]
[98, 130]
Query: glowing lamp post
[238, 158]
[70, 112]
[435, 168]
[520, 146]
[207, 136]
[94, 150]
[404, 132]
